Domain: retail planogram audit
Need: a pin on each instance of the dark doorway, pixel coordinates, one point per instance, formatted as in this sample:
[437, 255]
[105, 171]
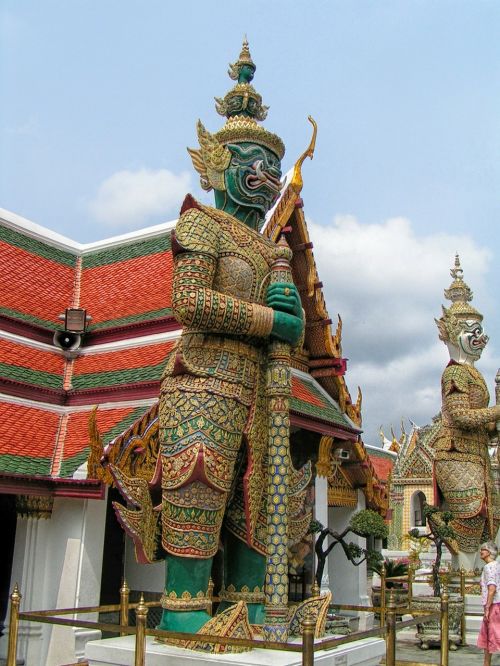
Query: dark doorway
[9, 522]
[113, 554]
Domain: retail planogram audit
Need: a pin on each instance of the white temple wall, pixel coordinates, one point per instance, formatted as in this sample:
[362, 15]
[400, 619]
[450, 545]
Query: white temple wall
[347, 582]
[58, 563]
[142, 577]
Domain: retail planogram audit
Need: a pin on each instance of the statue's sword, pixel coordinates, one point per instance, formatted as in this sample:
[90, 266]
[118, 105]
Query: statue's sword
[278, 391]
[497, 393]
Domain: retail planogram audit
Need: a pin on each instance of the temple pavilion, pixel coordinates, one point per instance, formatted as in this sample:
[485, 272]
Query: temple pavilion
[61, 391]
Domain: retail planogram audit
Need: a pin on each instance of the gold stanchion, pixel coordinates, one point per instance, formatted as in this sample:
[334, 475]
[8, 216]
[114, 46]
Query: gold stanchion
[141, 613]
[124, 599]
[411, 574]
[210, 594]
[390, 639]
[382, 595]
[445, 645]
[315, 589]
[15, 600]
[308, 629]
[463, 626]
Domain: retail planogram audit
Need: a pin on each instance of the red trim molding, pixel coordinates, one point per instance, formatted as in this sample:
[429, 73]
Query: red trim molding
[317, 425]
[21, 484]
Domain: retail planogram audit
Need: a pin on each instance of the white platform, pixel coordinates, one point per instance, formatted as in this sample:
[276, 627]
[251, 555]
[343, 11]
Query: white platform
[120, 652]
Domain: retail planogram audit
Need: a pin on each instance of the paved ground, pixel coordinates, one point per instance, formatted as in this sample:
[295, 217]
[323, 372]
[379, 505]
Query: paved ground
[407, 650]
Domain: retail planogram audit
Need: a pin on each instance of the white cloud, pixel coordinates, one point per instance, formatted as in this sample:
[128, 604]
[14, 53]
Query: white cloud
[387, 285]
[131, 199]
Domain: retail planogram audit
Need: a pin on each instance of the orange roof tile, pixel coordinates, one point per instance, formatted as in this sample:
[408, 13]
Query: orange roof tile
[36, 286]
[77, 435]
[127, 288]
[123, 359]
[300, 391]
[27, 431]
[382, 466]
[24, 356]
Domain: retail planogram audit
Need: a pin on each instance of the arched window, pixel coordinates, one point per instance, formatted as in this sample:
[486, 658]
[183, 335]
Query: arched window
[417, 509]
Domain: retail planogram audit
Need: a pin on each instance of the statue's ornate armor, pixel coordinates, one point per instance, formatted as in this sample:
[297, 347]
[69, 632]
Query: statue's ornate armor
[213, 386]
[462, 462]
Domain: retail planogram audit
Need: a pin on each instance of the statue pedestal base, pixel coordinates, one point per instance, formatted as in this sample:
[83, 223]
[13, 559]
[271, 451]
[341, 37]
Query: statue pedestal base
[120, 652]
[473, 622]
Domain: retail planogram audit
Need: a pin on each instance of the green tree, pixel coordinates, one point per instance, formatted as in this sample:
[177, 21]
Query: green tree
[364, 523]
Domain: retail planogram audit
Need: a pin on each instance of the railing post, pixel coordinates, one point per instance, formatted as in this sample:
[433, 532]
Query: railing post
[141, 613]
[124, 601]
[382, 595]
[15, 600]
[463, 625]
[445, 645]
[210, 594]
[411, 573]
[308, 629]
[390, 639]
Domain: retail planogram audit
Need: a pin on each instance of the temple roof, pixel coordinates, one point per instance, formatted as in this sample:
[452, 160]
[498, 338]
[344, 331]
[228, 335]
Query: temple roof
[124, 284]
[382, 461]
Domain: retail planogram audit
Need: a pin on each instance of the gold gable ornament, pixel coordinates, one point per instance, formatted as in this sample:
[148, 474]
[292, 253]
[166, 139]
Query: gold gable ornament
[340, 491]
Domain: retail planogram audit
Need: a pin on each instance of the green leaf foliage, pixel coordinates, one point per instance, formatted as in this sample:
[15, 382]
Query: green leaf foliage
[368, 523]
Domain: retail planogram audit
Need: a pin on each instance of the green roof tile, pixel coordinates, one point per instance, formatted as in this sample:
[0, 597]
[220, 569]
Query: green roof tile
[24, 465]
[37, 247]
[131, 319]
[116, 377]
[128, 251]
[29, 376]
[327, 413]
[31, 319]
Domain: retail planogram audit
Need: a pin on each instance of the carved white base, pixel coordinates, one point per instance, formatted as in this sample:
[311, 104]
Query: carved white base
[120, 652]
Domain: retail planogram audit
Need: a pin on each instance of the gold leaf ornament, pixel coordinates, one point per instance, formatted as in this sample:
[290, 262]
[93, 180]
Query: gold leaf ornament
[211, 160]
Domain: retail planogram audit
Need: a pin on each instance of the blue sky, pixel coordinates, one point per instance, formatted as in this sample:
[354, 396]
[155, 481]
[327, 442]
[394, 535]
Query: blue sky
[101, 99]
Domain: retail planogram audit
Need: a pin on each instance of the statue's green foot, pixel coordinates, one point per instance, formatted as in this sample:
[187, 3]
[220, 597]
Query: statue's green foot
[186, 621]
[256, 612]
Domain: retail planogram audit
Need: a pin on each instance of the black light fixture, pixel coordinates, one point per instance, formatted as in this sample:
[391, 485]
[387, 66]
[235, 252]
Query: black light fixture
[76, 320]
[75, 325]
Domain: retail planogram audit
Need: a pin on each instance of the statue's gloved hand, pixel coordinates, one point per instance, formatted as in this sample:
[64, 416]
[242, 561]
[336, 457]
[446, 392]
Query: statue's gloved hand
[288, 322]
[284, 296]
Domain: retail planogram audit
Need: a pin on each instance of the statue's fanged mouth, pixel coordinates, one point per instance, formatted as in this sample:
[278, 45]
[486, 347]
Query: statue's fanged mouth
[262, 177]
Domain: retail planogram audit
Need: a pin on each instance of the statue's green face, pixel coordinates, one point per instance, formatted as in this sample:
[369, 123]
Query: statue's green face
[235, 106]
[246, 74]
[253, 178]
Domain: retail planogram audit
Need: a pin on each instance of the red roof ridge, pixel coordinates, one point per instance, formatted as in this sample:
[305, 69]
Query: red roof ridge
[55, 466]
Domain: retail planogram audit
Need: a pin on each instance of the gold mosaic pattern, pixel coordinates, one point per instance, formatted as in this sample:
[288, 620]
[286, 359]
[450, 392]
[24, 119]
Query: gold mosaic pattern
[462, 465]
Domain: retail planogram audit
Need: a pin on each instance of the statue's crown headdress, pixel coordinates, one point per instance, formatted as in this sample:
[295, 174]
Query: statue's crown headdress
[460, 295]
[242, 107]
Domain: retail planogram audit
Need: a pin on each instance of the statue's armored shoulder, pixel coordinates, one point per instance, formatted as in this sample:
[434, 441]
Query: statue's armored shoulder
[195, 231]
[456, 377]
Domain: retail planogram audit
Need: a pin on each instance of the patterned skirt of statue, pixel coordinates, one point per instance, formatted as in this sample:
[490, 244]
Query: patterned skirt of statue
[464, 482]
[213, 439]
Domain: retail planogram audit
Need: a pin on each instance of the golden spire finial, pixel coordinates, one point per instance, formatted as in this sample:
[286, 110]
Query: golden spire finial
[244, 59]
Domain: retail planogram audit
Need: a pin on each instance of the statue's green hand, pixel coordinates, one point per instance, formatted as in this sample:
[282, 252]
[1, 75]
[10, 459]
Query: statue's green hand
[285, 297]
[287, 327]
[288, 323]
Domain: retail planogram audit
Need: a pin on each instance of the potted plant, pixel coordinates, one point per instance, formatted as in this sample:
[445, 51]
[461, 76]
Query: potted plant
[440, 532]
[393, 569]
